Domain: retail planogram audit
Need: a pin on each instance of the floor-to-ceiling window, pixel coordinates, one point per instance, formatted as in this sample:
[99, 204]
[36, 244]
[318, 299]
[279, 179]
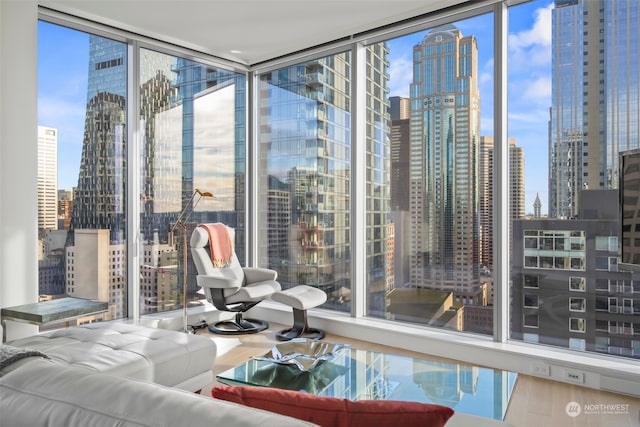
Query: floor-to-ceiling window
[82, 165]
[191, 137]
[429, 176]
[304, 169]
[427, 162]
[574, 104]
[192, 141]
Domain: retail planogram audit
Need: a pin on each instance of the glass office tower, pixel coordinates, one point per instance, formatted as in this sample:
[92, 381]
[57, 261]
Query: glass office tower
[305, 157]
[445, 129]
[100, 194]
[595, 99]
[95, 251]
[305, 152]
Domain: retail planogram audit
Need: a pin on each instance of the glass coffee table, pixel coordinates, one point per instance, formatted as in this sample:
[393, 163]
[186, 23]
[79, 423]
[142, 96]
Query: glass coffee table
[335, 370]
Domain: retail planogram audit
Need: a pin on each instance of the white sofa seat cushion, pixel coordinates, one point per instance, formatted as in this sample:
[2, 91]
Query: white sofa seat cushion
[165, 357]
[47, 393]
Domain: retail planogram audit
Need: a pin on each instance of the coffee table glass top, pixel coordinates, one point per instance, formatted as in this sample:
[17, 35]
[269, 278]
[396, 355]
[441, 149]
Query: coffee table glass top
[335, 370]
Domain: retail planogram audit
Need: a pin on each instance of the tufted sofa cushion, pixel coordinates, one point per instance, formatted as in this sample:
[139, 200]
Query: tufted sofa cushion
[42, 392]
[170, 358]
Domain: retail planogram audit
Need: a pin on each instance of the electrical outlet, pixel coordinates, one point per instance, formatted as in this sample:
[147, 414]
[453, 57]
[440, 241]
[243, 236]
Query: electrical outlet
[540, 369]
[574, 376]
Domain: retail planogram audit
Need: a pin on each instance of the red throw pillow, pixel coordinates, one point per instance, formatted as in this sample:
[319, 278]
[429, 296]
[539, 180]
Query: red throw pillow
[334, 412]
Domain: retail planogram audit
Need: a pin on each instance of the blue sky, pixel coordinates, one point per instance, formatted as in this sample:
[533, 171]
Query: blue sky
[529, 83]
[63, 69]
[63, 62]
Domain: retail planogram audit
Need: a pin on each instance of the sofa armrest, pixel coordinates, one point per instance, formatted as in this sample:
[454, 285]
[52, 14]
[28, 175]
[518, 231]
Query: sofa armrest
[45, 392]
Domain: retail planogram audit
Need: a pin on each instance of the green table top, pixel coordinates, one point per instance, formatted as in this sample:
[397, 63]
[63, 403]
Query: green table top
[52, 310]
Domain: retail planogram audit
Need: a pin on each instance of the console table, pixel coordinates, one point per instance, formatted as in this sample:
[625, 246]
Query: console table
[56, 310]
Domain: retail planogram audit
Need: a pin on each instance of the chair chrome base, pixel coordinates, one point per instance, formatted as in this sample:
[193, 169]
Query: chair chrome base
[300, 328]
[238, 326]
[292, 333]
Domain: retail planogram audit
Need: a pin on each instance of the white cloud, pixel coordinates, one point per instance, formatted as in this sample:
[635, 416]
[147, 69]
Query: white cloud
[401, 73]
[538, 88]
[532, 47]
[539, 34]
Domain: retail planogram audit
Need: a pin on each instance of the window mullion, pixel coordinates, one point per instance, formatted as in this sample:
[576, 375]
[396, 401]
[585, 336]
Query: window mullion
[501, 179]
[358, 188]
[133, 182]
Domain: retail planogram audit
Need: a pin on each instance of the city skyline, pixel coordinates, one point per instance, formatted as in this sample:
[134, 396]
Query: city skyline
[304, 171]
[62, 97]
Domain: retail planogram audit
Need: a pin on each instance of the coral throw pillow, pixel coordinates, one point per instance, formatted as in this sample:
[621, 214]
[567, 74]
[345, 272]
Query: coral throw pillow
[334, 412]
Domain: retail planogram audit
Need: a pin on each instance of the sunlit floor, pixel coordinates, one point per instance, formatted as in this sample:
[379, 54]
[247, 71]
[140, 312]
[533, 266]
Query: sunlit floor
[534, 402]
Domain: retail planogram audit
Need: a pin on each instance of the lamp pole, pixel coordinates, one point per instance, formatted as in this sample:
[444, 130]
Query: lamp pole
[182, 223]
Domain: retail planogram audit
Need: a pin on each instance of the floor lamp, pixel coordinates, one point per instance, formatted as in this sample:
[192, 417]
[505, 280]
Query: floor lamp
[182, 223]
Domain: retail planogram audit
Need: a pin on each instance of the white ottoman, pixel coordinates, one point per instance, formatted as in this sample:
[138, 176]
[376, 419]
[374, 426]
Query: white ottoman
[170, 358]
[300, 299]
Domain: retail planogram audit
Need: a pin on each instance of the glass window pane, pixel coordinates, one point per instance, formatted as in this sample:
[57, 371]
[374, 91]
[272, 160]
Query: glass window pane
[304, 150]
[577, 283]
[531, 320]
[602, 243]
[531, 242]
[574, 107]
[577, 304]
[530, 281]
[576, 324]
[577, 344]
[530, 300]
[193, 144]
[82, 151]
[429, 175]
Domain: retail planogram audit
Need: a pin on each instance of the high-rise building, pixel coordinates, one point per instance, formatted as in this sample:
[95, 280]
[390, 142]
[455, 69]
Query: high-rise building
[51, 234]
[99, 198]
[630, 208]
[65, 207]
[97, 270]
[187, 147]
[317, 243]
[47, 179]
[485, 192]
[380, 241]
[94, 255]
[304, 120]
[595, 113]
[162, 151]
[176, 95]
[400, 150]
[202, 89]
[445, 137]
[399, 108]
[567, 288]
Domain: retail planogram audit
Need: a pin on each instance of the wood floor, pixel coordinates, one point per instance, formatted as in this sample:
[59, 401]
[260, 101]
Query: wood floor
[535, 402]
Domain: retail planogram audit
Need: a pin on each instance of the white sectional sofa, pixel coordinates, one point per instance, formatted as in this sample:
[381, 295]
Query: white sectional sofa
[42, 392]
[117, 375]
[166, 357]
